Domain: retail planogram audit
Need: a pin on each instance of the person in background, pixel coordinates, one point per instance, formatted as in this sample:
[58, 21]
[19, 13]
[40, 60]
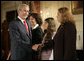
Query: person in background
[20, 35]
[47, 44]
[37, 32]
[5, 40]
[65, 37]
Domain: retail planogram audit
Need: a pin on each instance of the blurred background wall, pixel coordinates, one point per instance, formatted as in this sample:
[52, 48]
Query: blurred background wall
[45, 9]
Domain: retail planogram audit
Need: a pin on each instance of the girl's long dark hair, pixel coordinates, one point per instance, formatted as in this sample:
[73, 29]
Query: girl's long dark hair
[51, 28]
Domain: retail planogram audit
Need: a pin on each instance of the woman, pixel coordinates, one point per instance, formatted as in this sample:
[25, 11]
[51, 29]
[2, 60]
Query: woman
[65, 38]
[47, 49]
[37, 32]
[47, 43]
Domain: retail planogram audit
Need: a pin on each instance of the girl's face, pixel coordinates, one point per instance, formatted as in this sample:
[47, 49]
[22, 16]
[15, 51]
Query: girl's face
[32, 21]
[45, 25]
[59, 17]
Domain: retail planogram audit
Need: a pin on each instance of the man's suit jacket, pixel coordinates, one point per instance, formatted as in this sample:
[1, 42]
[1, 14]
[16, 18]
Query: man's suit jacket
[65, 42]
[21, 42]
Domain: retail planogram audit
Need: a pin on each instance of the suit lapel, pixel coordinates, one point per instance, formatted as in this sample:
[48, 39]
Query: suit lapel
[29, 27]
[24, 28]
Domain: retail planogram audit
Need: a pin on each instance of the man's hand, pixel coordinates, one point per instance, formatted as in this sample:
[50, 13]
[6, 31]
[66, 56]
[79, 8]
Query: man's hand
[35, 47]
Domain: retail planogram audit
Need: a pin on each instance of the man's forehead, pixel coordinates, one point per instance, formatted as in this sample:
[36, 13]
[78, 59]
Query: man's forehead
[25, 7]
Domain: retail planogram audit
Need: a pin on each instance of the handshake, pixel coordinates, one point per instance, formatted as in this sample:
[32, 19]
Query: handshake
[37, 47]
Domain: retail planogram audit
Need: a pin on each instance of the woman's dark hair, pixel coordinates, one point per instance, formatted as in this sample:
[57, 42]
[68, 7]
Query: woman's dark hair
[37, 18]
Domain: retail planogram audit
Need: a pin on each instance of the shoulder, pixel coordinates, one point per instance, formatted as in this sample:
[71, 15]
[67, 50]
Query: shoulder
[38, 30]
[69, 25]
[14, 23]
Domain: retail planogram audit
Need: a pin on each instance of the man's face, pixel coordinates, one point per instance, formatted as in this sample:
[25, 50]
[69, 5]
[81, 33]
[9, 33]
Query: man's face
[23, 13]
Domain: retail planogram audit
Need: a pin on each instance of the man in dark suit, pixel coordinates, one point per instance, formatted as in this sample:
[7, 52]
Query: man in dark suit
[20, 35]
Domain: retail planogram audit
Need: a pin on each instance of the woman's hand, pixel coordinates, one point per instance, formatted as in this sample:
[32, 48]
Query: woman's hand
[35, 47]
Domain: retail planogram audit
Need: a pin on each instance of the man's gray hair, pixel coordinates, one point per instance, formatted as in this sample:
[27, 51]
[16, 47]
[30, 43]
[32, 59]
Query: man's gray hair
[21, 6]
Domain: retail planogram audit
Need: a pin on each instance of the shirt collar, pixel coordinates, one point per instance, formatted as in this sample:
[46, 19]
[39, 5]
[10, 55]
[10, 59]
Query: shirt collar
[36, 26]
[21, 19]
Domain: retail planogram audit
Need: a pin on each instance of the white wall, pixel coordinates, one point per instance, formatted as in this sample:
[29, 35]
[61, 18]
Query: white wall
[49, 8]
[79, 26]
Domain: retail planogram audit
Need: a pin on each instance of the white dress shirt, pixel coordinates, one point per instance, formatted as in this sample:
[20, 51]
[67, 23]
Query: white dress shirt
[35, 26]
[21, 19]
